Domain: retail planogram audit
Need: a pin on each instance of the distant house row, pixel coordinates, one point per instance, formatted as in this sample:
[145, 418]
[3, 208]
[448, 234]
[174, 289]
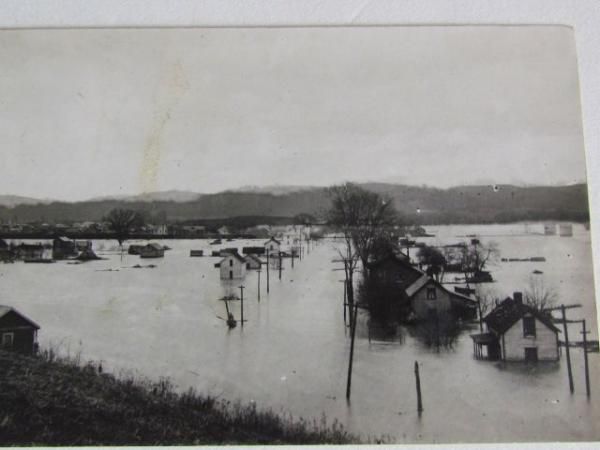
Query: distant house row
[60, 248]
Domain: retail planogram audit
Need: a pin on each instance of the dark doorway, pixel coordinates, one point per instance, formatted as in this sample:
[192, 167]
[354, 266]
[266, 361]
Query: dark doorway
[531, 354]
[231, 274]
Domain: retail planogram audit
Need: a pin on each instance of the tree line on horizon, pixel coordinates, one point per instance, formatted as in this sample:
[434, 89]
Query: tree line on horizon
[416, 205]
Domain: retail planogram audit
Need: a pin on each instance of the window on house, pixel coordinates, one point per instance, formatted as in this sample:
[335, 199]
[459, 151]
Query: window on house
[8, 339]
[230, 262]
[529, 326]
[431, 293]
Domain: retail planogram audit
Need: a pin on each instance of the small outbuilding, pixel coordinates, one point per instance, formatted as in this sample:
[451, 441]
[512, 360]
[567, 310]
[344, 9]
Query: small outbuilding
[17, 332]
[517, 332]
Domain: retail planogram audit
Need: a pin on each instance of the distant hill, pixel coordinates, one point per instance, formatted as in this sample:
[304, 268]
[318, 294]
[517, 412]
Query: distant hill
[424, 205]
[13, 200]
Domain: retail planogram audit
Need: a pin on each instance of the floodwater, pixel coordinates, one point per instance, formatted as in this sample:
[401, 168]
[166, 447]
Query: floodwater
[292, 353]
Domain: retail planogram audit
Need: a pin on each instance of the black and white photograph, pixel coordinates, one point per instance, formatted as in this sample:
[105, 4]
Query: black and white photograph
[295, 235]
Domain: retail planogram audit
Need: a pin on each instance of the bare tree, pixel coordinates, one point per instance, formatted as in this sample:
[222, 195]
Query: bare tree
[476, 256]
[122, 222]
[538, 295]
[364, 218]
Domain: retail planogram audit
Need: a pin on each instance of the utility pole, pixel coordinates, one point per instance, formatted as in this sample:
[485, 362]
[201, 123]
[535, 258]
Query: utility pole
[565, 323]
[242, 304]
[268, 270]
[566, 330]
[259, 271]
[279, 265]
[585, 359]
[353, 327]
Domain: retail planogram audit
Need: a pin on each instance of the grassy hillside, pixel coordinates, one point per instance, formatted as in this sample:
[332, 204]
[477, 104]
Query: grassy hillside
[44, 401]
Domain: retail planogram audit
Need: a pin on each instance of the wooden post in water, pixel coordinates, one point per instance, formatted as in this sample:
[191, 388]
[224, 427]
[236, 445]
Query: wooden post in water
[345, 299]
[418, 382]
[567, 349]
[268, 271]
[242, 304]
[353, 333]
[293, 255]
[585, 359]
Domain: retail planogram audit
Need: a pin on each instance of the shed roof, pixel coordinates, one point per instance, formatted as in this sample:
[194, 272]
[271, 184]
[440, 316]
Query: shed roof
[4, 310]
[274, 240]
[509, 311]
[155, 246]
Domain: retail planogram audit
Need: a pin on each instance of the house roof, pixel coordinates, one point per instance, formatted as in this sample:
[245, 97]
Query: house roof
[236, 255]
[3, 243]
[424, 280]
[274, 240]
[417, 285]
[4, 310]
[155, 246]
[63, 239]
[254, 257]
[508, 312]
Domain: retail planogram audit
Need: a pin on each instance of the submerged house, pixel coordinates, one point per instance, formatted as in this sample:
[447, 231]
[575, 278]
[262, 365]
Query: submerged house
[152, 250]
[272, 246]
[17, 332]
[253, 262]
[429, 298]
[32, 252]
[517, 332]
[233, 266]
[63, 247]
[421, 295]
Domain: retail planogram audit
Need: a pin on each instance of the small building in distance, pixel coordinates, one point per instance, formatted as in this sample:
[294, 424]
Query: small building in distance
[5, 253]
[549, 229]
[17, 332]
[517, 332]
[272, 246]
[152, 250]
[63, 247]
[253, 262]
[565, 229]
[32, 252]
[428, 299]
[232, 266]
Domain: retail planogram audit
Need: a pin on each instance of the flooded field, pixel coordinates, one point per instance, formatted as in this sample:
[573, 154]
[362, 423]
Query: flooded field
[292, 353]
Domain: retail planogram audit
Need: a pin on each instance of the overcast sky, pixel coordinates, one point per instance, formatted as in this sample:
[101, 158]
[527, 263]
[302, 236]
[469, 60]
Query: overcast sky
[86, 113]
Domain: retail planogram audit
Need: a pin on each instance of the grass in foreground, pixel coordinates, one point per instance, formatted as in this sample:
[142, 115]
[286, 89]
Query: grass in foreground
[46, 400]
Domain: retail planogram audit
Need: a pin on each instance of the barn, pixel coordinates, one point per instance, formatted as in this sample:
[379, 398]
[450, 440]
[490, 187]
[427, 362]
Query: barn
[517, 332]
[17, 332]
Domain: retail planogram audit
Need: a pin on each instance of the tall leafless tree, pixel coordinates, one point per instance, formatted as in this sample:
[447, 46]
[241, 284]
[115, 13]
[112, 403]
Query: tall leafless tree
[364, 218]
[122, 222]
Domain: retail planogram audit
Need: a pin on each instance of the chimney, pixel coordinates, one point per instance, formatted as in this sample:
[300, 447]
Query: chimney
[518, 297]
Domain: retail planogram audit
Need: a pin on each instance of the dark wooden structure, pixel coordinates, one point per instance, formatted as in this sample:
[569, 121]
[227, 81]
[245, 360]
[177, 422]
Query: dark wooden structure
[17, 332]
